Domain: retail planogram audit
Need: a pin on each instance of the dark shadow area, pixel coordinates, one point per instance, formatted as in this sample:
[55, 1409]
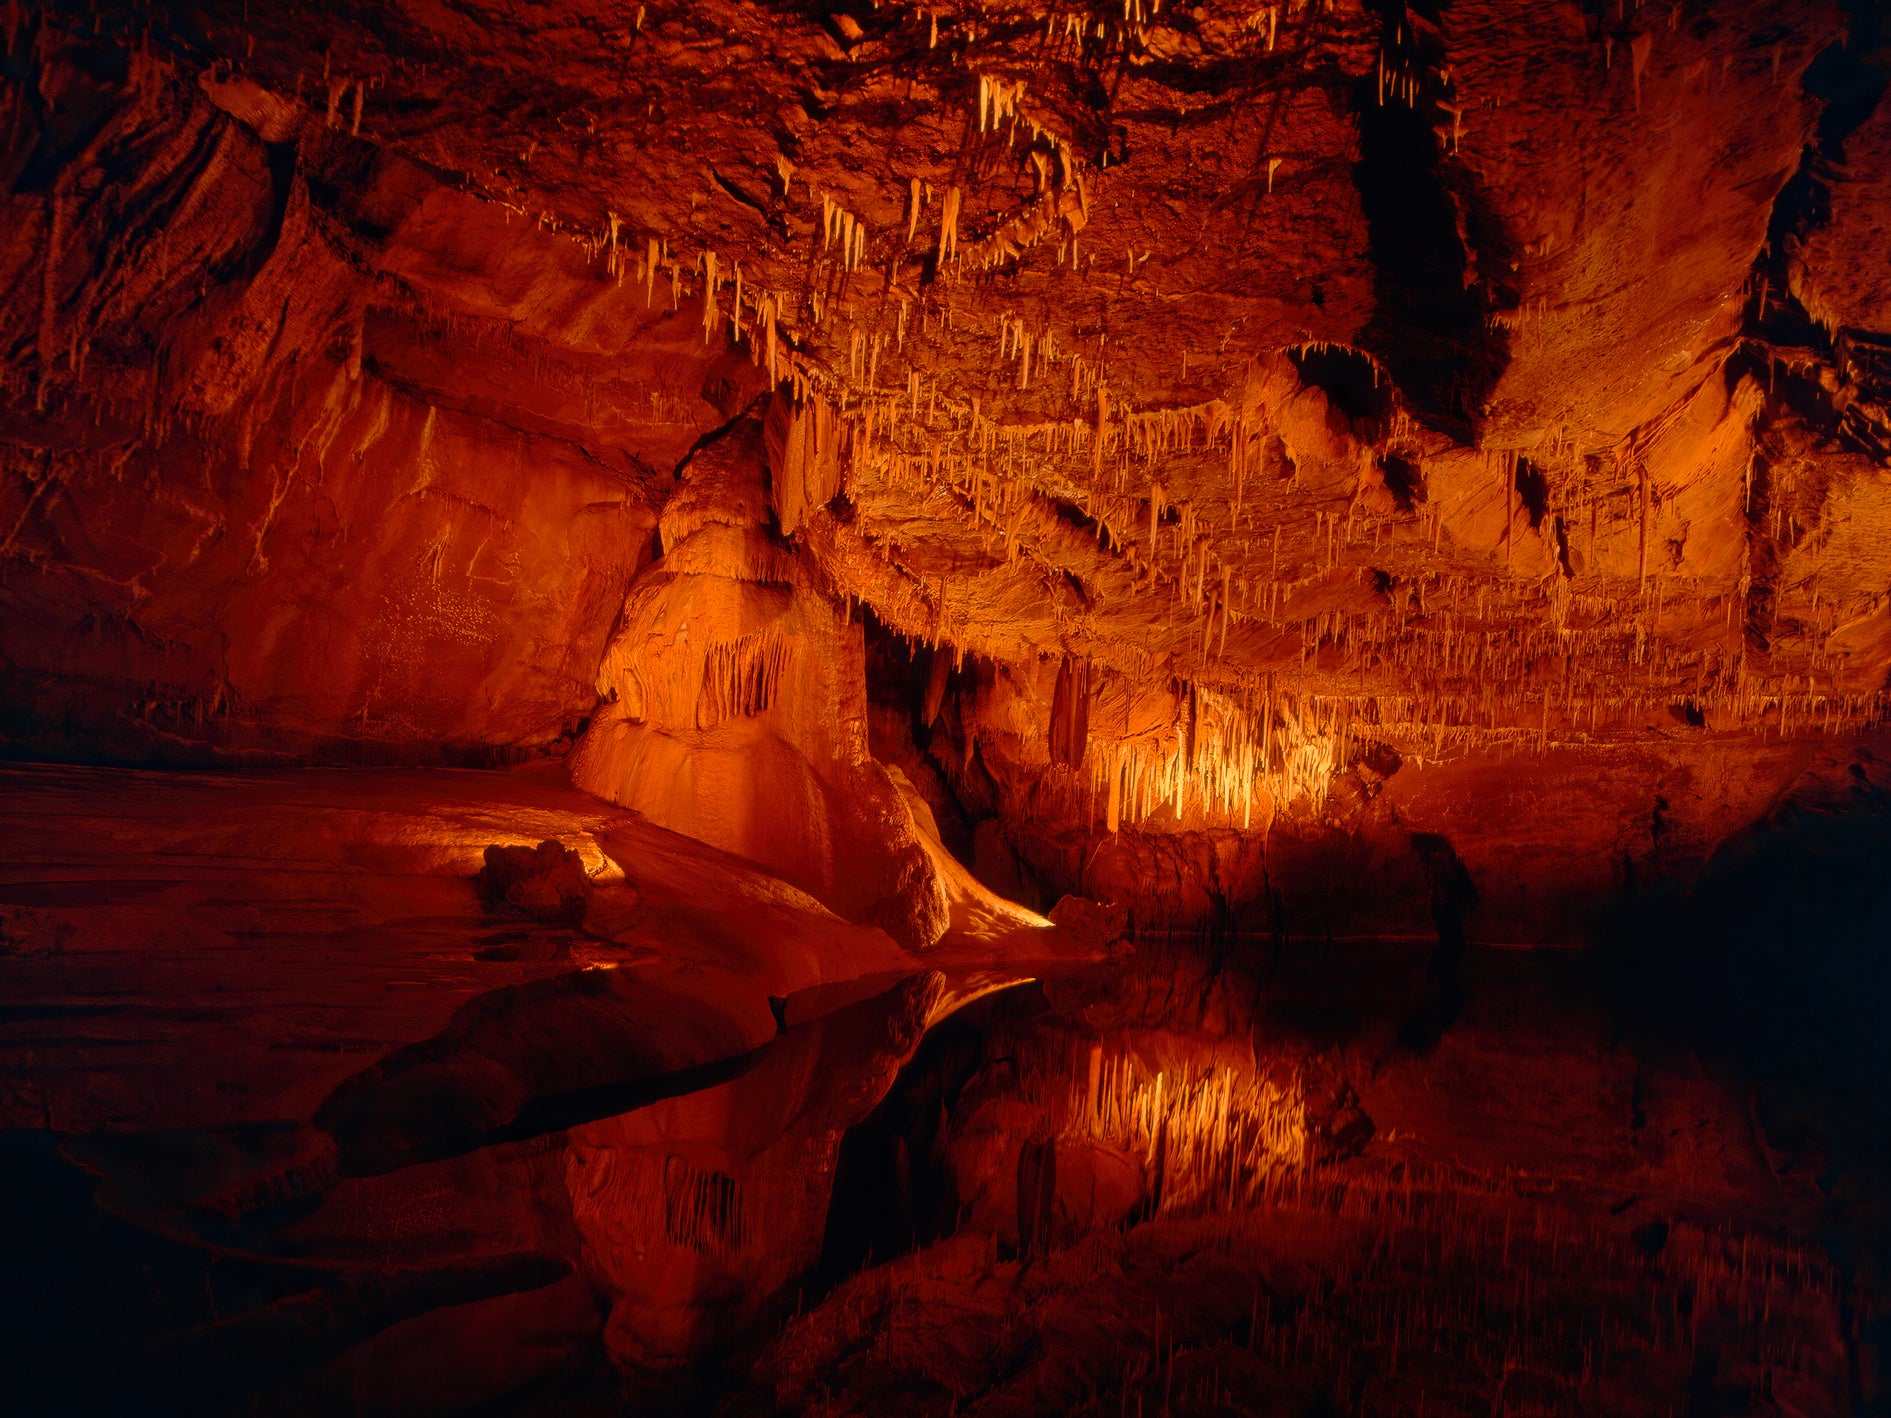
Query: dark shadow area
[1433, 241]
[125, 1319]
[891, 1193]
[1404, 479]
[1351, 382]
[1778, 960]
[1533, 489]
[1453, 895]
[1774, 971]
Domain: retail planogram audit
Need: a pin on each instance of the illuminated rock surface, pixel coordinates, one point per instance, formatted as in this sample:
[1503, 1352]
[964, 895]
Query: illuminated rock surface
[1059, 583]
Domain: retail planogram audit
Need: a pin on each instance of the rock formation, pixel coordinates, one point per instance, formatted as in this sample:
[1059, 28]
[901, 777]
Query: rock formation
[1133, 509]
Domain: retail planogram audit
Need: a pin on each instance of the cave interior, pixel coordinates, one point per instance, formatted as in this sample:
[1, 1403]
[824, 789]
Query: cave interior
[843, 707]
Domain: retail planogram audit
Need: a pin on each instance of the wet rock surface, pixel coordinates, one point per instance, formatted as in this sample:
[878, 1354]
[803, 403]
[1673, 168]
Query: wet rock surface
[749, 1159]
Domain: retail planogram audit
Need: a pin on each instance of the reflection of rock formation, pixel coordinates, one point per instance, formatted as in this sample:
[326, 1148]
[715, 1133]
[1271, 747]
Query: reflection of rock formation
[699, 1214]
[735, 708]
[1453, 894]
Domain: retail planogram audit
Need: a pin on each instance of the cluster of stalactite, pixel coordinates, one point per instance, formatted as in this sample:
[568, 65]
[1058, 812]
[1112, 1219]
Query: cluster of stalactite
[1220, 757]
[793, 332]
[1234, 756]
[1548, 652]
[741, 677]
[805, 461]
[1478, 646]
[1235, 753]
[698, 684]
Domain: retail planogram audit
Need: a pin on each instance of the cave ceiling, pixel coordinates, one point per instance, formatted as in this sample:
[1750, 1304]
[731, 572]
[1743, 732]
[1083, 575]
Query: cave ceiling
[1480, 373]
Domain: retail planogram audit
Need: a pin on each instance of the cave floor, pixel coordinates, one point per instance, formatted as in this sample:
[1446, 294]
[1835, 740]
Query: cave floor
[1558, 1211]
[241, 1001]
[287, 1112]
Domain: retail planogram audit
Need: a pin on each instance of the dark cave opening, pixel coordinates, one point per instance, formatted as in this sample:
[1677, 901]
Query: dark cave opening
[1435, 247]
[1351, 380]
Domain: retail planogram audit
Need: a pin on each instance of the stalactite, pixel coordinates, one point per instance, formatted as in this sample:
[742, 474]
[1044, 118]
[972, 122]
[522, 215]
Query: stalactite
[809, 471]
[710, 312]
[702, 1210]
[741, 678]
[1070, 712]
[949, 225]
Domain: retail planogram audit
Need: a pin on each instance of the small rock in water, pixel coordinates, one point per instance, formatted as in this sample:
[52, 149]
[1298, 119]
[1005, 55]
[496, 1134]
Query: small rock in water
[546, 882]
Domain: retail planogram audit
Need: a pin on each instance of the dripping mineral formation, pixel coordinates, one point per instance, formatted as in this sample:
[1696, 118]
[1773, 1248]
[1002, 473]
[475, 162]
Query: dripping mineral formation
[863, 708]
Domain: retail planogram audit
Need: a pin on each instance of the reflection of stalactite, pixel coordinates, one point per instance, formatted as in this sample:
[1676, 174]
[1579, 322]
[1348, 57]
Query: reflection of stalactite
[702, 1210]
[1221, 1135]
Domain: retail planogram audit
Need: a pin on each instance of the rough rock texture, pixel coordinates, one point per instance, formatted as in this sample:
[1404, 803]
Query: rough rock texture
[734, 709]
[1221, 416]
[1288, 473]
[547, 882]
[271, 1028]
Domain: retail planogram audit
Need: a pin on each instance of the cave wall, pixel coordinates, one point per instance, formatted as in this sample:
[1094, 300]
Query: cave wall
[1247, 442]
[304, 449]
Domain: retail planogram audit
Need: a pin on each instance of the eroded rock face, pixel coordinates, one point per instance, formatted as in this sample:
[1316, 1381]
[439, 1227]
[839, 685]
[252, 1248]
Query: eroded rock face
[1266, 435]
[261, 502]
